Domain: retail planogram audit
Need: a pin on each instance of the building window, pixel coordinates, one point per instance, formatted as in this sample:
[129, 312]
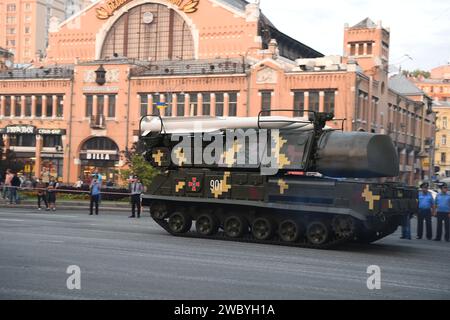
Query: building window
[299, 103]
[49, 107]
[167, 37]
[329, 101]
[219, 104]
[11, 43]
[369, 48]
[180, 104]
[266, 100]
[11, 20]
[167, 104]
[193, 104]
[22, 140]
[52, 141]
[112, 106]
[18, 106]
[444, 140]
[206, 104]
[444, 123]
[443, 158]
[39, 106]
[89, 105]
[8, 106]
[28, 106]
[361, 49]
[27, 30]
[314, 99]
[60, 106]
[11, 30]
[28, 19]
[232, 104]
[11, 7]
[100, 104]
[352, 49]
[27, 6]
[144, 105]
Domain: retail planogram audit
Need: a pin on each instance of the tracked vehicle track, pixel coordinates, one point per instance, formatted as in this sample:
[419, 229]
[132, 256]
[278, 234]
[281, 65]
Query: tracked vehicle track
[249, 238]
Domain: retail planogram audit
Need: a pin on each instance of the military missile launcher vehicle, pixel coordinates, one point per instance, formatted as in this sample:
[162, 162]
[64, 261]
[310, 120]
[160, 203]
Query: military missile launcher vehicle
[273, 179]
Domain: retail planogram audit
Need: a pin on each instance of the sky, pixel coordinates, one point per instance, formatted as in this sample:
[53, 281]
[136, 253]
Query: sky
[420, 30]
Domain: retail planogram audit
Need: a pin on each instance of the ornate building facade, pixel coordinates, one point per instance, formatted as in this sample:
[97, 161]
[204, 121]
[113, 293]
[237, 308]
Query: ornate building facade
[82, 106]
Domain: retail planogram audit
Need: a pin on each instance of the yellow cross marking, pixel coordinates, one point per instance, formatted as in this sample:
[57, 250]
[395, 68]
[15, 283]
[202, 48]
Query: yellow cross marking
[224, 187]
[180, 186]
[228, 156]
[283, 186]
[282, 160]
[180, 156]
[157, 157]
[370, 198]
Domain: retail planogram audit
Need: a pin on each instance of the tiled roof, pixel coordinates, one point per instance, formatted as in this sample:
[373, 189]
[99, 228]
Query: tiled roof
[403, 85]
[366, 23]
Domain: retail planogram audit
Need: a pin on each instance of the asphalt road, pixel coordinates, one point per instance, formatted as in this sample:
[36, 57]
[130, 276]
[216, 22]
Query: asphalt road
[121, 258]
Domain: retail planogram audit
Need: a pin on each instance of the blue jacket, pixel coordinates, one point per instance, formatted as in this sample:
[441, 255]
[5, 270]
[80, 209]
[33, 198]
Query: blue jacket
[443, 202]
[426, 200]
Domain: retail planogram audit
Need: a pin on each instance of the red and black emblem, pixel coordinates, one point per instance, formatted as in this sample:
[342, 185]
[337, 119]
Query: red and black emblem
[194, 185]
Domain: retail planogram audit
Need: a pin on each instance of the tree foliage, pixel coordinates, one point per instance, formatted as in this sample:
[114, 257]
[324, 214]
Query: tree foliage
[417, 73]
[8, 160]
[138, 165]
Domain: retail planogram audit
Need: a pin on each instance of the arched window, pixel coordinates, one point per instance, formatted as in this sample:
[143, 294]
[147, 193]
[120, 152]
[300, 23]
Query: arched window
[100, 143]
[149, 32]
[444, 140]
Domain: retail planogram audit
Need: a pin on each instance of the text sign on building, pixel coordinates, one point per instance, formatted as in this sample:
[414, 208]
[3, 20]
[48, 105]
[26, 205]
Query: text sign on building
[21, 130]
[99, 156]
[52, 132]
[108, 9]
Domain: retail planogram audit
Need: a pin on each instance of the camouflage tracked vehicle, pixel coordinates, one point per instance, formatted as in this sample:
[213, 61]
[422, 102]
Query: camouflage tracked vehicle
[272, 179]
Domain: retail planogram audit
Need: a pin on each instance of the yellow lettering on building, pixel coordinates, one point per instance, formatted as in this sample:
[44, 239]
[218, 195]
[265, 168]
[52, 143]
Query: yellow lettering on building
[111, 6]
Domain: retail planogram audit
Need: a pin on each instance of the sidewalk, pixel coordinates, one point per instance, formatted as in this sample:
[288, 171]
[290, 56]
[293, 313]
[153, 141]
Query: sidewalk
[69, 205]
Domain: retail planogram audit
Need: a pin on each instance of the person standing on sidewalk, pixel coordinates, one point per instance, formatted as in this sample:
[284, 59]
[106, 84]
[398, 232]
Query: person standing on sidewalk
[14, 189]
[442, 213]
[426, 207]
[7, 184]
[95, 189]
[41, 196]
[136, 189]
[51, 193]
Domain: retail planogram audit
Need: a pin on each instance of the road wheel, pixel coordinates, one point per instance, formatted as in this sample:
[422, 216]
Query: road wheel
[235, 226]
[180, 222]
[343, 226]
[289, 231]
[158, 210]
[317, 233]
[207, 225]
[262, 229]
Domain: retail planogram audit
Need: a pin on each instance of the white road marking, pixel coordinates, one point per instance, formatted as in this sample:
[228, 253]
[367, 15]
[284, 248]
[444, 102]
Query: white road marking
[13, 220]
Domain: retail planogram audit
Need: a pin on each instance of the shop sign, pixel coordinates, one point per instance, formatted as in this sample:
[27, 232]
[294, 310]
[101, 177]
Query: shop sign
[111, 6]
[52, 132]
[99, 156]
[21, 129]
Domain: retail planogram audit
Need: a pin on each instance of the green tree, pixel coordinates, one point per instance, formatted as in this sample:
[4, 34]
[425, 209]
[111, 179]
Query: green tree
[417, 73]
[138, 165]
[8, 160]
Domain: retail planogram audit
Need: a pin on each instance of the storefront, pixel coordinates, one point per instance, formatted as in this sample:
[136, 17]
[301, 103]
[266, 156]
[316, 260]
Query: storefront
[100, 155]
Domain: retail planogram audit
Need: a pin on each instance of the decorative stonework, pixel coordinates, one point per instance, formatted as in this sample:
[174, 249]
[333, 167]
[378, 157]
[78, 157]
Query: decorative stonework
[266, 75]
[113, 75]
[89, 76]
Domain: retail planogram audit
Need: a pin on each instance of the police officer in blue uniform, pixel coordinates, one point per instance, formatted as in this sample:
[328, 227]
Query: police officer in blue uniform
[426, 208]
[443, 213]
